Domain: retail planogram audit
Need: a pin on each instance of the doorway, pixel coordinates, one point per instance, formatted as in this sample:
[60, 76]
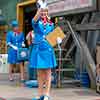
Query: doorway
[29, 13]
[25, 12]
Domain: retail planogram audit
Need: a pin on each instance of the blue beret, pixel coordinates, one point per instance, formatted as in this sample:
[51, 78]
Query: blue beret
[14, 23]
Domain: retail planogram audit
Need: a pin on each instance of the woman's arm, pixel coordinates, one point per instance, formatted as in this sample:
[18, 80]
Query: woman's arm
[8, 41]
[36, 17]
[29, 38]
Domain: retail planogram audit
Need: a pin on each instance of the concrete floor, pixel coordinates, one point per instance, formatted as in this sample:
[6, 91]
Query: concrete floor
[22, 93]
[12, 91]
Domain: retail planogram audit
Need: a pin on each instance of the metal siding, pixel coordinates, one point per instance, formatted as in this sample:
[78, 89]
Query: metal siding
[64, 11]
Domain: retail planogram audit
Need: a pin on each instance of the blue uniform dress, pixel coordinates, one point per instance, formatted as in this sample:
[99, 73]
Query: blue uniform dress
[15, 40]
[42, 56]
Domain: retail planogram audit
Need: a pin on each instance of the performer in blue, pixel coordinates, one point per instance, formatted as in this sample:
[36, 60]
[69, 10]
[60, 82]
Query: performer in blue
[15, 40]
[42, 56]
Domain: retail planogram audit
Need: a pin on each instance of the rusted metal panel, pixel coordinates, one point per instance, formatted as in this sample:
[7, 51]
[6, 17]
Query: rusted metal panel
[71, 6]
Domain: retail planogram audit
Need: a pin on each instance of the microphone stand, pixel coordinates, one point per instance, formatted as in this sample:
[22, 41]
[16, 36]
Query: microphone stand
[59, 67]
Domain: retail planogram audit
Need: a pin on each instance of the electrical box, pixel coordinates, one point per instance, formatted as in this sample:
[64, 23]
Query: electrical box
[3, 63]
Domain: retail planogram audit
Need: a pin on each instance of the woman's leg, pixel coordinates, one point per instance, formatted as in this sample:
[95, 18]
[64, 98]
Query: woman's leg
[11, 66]
[41, 77]
[22, 72]
[44, 80]
[47, 82]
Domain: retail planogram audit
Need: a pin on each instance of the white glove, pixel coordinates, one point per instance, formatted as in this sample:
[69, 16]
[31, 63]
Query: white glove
[42, 4]
[33, 34]
[23, 44]
[12, 46]
[59, 40]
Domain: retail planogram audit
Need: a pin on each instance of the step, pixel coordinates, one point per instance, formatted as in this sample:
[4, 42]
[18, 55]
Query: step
[67, 70]
[56, 49]
[70, 81]
[63, 59]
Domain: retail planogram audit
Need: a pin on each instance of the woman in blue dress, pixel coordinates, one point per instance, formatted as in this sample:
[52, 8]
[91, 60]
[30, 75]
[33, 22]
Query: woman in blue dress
[42, 56]
[15, 40]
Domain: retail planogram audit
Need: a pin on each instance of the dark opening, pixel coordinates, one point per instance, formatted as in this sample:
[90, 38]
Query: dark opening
[29, 13]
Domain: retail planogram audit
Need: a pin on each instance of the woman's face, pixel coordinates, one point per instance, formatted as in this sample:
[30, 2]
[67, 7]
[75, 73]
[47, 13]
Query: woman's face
[43, 14]
[15, 29]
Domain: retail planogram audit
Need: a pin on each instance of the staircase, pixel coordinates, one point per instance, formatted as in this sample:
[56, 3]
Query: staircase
[66, 68]
[72, 41]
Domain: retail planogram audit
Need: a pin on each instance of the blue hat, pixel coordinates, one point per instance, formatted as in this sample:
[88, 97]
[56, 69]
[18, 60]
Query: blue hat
[14, 23]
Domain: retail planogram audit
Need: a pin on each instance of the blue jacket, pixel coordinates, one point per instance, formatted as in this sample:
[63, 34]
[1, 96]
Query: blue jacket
[40, 30]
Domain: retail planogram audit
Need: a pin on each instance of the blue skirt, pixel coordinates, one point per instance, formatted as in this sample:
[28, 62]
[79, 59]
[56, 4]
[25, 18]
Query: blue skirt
[12, 56]
[42, 56]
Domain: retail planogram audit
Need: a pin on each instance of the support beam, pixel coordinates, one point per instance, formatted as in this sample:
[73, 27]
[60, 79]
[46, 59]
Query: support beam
[91, 64]
[70, 50]
[88, 27]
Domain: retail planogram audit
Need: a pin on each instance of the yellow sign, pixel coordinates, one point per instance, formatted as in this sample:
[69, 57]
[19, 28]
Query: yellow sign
[52, 37]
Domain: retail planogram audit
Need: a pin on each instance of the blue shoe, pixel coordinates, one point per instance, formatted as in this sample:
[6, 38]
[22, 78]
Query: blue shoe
[35, 99]
[44, 97]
